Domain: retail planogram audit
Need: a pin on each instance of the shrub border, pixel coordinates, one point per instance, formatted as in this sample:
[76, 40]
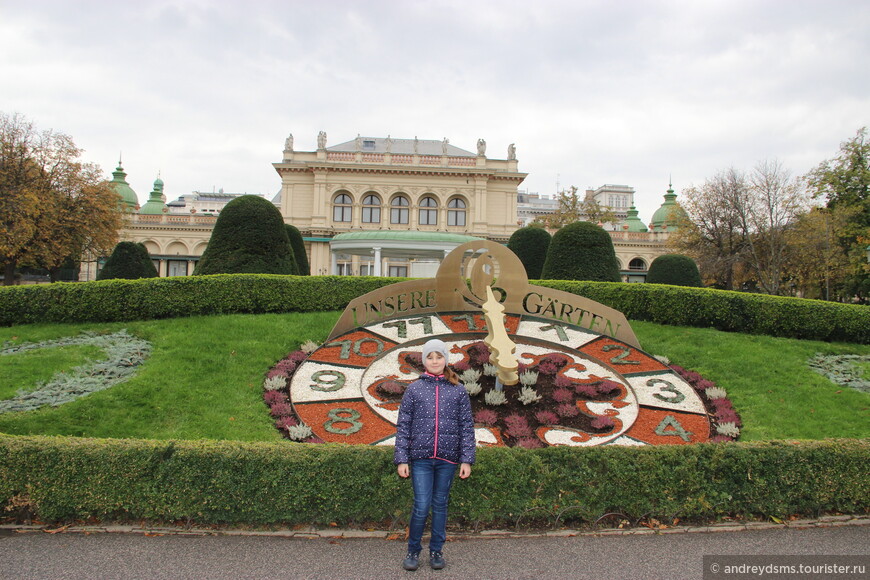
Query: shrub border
[146, 299]
[222, 482]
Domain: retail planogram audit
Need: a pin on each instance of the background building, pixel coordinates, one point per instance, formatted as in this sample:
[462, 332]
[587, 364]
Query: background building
[384, 206]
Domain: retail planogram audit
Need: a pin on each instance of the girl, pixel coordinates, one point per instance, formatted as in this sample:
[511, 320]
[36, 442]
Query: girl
[434, 434]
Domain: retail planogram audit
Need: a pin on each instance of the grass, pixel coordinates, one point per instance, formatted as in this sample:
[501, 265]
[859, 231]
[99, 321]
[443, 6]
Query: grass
[203, 379]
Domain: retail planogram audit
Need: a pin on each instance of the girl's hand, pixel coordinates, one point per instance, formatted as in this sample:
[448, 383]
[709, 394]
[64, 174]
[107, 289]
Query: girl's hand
[464, 470]
[403, 470]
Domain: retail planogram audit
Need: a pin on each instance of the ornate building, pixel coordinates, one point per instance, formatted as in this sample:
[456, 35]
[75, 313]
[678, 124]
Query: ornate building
[382, 206]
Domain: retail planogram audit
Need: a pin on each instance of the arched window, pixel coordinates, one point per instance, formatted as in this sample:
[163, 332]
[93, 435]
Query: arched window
[371, 209]
[637, 264]
[428, 213]
[399, 210]
[456, 212]
[342, 210]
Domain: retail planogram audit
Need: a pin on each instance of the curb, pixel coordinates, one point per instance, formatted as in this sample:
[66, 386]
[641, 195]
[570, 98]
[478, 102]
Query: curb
[311, 533]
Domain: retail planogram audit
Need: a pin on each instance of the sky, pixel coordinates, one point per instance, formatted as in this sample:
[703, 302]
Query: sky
[203, 93]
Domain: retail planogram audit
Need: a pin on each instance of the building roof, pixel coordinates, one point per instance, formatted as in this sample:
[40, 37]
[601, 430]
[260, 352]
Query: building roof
[155, 204]
[667, 216]
[407, 236]
[400, 147]
[399, 244]
[119, 183]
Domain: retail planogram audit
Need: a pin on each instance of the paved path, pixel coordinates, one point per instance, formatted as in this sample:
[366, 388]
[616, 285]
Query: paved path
[672, 554]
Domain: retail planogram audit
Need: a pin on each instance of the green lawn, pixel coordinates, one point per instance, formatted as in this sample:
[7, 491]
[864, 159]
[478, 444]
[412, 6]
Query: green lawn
[204, 377]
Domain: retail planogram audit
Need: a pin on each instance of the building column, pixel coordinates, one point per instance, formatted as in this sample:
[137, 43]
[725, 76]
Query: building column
[377, 271]
[333, 263]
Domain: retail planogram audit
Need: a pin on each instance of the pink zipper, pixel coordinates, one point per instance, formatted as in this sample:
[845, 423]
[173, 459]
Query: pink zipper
[437, 392]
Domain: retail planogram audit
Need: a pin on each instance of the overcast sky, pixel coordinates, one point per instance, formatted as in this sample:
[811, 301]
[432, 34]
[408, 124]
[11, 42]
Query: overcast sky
[624, 92]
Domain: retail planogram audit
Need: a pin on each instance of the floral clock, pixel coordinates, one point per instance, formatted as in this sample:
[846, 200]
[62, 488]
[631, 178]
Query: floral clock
[576, 387]
[573, 370]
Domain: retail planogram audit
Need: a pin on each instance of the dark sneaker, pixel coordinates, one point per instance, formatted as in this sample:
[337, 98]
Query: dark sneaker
[436, 560]
[412, 560]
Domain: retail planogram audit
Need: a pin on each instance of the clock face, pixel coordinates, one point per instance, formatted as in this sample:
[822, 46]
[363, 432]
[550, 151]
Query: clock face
[577, 387]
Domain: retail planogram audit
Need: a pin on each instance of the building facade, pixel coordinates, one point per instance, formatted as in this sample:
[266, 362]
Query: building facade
[382, 206]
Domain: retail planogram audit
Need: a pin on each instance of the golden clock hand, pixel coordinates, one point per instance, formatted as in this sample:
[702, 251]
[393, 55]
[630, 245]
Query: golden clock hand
[501, 346]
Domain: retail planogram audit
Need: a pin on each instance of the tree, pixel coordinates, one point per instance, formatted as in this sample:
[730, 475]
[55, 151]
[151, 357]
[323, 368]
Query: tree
[817, 265]
[844, 182]
[713, 231]
[674, 269]
[248, 237]
[775, 201]
[298, 245]
[572, 208]
[581, 251]
[530, 244]
[52, 207]
[130, 261]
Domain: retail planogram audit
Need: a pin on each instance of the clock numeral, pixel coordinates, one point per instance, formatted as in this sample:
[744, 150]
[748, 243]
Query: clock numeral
[668, 388]
[346, 346]
[468, 319]
[676, 429]
[560, 331]
[336, 416]
[402, 325]
[620, 359]
[325, 385]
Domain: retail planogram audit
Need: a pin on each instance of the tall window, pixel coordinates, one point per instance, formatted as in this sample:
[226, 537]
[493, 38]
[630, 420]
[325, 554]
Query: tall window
[371, 209]
[342, 211]
[428, 213]
[399, 210]
[455, 212]
[398, 271]
[637, 264]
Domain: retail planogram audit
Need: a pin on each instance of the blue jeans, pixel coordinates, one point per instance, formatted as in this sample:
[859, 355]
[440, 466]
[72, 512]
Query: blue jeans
[431, 479]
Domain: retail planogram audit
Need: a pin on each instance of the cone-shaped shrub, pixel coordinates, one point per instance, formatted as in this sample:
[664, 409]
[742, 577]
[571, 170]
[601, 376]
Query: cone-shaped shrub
[530, 244]
[249, 237]
[674, 269]
[581, 251]
[130, 261]
[298, 246]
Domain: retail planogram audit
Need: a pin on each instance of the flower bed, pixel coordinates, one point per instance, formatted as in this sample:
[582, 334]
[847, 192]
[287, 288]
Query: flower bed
[549, 406]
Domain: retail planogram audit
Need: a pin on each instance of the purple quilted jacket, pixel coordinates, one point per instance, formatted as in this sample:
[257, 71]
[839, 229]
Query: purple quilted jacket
[435, 421]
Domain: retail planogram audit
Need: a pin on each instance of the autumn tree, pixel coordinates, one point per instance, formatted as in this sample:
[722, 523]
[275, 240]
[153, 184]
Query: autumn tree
[775, 200]
[736, 224]
[52, 206]
[844, 182]
[712, 231]
[815, 261]
[573, 207]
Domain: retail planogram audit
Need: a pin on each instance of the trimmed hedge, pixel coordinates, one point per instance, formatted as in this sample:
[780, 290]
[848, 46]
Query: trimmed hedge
[674, 269]
[214, 482]
[122, 300]
[728, 310]
[147, 299]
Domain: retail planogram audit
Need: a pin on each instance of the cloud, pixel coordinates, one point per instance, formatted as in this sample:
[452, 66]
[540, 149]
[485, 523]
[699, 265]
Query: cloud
[629, 92]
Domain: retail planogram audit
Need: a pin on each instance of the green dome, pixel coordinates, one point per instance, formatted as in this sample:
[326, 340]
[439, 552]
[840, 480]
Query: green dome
[155, 204]
[670, 212]
[129, 198]
[633, 222]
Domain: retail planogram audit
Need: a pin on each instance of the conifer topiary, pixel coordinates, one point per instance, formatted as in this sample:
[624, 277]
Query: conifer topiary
[130, 261]
[581, 251]
[298, 245]
[530, 244]
[674, 269]
[249, 237]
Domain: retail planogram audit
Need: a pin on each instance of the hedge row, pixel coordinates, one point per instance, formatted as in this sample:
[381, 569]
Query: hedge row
[214, 482]
[731, 311]
[121, 300]
[147, 299]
